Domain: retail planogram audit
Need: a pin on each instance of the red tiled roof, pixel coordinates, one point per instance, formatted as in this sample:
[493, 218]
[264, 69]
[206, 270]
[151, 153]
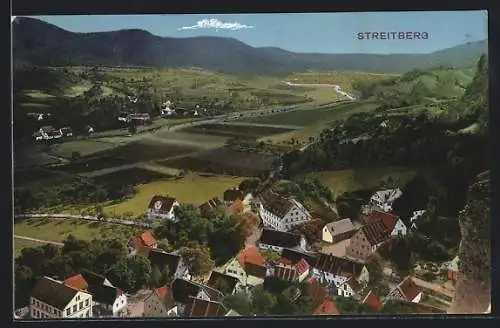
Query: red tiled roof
[161, 292]
[147, 239]
[389, 220]
[327, 307]
[251, 255]
[373, 302]
[315, 290]
[377, 231]
[236, 207]
[77, 282]
[409, 288]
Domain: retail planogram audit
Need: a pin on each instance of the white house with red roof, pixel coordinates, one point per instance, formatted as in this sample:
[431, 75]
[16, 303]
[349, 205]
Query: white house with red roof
[249, 267]
[406, 291]
[298, 271]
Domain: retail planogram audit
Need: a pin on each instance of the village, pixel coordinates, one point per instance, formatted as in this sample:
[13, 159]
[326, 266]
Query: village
[273, 253]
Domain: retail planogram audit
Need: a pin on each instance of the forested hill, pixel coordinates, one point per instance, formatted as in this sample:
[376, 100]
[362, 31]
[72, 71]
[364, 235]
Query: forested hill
[39, 43]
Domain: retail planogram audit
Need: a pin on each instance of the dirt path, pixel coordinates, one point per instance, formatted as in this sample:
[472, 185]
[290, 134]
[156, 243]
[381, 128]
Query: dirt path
[41, 241]
[433, 287]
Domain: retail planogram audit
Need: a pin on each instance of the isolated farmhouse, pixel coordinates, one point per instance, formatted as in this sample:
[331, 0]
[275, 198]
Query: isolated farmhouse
[161, 207]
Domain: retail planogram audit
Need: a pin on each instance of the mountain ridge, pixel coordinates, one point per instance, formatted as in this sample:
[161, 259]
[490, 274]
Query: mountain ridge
[44, 44]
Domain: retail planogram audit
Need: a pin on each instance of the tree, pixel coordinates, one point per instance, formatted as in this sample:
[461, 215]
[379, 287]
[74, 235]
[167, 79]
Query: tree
[75, 155]
[197, 257]
[141, 269]
[240, 303]
[262, 301]
[155, 277]
[123, 276]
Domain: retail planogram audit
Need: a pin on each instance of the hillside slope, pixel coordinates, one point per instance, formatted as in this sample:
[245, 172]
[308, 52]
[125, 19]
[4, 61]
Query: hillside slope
[40, 43]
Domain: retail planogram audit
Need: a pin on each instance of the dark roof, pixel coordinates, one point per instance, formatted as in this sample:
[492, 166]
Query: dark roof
[66, 129]
[53, 293]
[162, 259]
[285, 272]
[222, 282]
[104, 294]
[337, 265]
[166, 203]
[210, 205]
[280, 238]
[231, 195]
[291, 256]
[201, 308]
[48, 128]
[212, 293]
[275, 203]
[92, 278]
[255, 270]
[182, 289]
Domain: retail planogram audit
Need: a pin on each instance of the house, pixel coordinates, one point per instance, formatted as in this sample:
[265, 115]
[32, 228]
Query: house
[327, 307]
[371, 236]
[384, 199]
[176, 265]
[280, 213]
[108, 300]
[161, 207]
[349, 287]
[337, 231]
[90, 129]
[197, 307]
[389, 220]
[276, 240]
[297, 272]
[293, 256]
[373, 301]
[336, 271]
[183, 290]
[47, 132]
[222, 282]
[406, 291]
[231, 195]
[160, 303]
[139, 118]
[208, 207]
[66, 131]
[248, 267]
[232, 313]
[452, 269]
[123, 117]
[53, 299]
[145, 239]
[415, 217]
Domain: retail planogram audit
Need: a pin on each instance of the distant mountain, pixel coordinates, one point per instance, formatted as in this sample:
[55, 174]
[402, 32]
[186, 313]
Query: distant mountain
[40, 43]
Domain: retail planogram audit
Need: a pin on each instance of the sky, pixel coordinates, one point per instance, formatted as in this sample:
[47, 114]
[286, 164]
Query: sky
[302, 32]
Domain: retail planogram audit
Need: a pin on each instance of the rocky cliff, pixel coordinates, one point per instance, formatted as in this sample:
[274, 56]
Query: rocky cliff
[473, 292]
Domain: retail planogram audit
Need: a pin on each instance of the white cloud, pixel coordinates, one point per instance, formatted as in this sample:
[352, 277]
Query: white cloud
[215, 24]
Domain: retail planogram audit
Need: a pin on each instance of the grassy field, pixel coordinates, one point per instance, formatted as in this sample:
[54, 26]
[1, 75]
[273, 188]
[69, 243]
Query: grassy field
[200, 139]
[241, 131]
[58, 230]
[356, 179]
[19, 244]
[193, 189]
[84, 147]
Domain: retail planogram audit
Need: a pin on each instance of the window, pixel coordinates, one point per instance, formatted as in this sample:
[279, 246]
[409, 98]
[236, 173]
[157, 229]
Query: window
[78, 298]
[80, 305]
[87, 302]
[68, 311]
[37, 304]
[74, 308]
[33, 301]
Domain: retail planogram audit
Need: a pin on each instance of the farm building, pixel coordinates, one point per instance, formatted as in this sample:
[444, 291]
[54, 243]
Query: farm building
[384, 199]
[232, 195]
[208, 207]
[297, 272]
[47, 132]
[277, 240]
[280, 213]
[390, 220]
[161, 207]
[337, 231]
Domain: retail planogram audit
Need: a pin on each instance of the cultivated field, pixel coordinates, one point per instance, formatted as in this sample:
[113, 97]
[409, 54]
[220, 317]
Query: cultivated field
[240, 131]
[58, 230]
[135, 152]
[225, 162]
[357, 179]
[192, 189]
[19, 244]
